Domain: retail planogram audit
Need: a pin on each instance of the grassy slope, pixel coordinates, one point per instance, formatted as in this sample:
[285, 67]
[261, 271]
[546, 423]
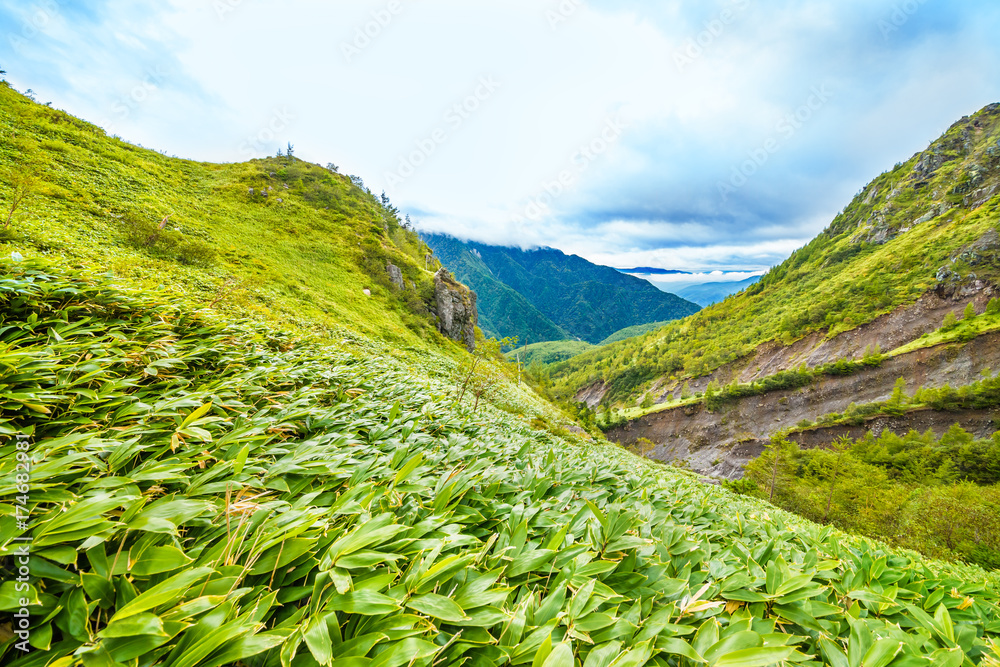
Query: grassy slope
[297, 263]
[632, 332]
[549, 352]
[553, 352]
[588, 301]
[260, 501]
[835, 283]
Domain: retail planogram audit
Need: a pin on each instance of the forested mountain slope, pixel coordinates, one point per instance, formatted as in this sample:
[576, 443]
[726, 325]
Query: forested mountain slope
[569, 297]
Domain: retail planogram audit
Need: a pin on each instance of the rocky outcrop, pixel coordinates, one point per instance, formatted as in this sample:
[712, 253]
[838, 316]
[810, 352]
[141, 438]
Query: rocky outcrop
[456, 309]
[395, 275]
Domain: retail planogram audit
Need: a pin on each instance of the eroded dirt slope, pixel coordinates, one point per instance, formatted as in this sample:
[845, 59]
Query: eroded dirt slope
[721, 443]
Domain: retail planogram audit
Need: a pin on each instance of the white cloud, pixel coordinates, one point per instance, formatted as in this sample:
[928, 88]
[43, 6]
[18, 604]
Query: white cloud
[649, 198]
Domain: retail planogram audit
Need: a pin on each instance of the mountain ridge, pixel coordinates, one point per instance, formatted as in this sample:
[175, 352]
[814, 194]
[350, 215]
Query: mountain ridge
[921, 226]
[580, 299]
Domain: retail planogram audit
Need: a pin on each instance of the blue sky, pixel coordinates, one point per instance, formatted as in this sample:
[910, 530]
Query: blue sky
[687, 135]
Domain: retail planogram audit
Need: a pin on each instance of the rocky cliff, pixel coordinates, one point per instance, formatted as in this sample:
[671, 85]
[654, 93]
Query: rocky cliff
[456, 309]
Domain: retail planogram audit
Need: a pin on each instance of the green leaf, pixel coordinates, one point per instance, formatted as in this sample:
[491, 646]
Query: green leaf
[194, 416]
[943, 619]
[318, 640]
[408, 469]
[131, 626]
[241, 459]
[948, 657]
[124, 649]
[756, 657]
[437, 606]
[163, 593]
[363, 602]
[158, 560]
[603, 520]
[411, 650]
[882, 653]
[561, 656]
[241, 648]
[832, 653]
[734, 642]
[603, 655]
[676, 646]
[11, 597]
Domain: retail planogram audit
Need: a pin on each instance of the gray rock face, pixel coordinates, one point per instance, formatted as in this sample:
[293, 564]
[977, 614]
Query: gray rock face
[456, 309]
[395, 275]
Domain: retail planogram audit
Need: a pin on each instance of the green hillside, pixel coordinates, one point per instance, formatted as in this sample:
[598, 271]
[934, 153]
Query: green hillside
[548, 352]
[584, 300]
[632, 332]
[928, 220]
[276, 239]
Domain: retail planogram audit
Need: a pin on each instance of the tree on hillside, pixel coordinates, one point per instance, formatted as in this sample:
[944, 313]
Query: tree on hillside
[332, 167]
[896, 405]
[839, 448]
[774, 470]
[23, 183]
[970, 312]
[484, 370]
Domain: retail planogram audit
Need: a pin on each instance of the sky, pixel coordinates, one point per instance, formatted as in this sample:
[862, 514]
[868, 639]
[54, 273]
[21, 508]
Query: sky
[702, 136]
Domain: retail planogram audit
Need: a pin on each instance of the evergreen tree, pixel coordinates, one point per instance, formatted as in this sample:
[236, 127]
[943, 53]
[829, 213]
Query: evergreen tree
[896, 405]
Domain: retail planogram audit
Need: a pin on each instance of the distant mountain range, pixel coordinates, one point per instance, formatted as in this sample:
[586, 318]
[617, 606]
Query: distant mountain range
[708, 294]
[652, 271]
[546, 295]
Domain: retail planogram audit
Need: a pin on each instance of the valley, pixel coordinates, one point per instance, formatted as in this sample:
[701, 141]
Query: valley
[247, 418]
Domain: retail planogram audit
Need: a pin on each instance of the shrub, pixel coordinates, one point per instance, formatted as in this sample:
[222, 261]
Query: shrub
[950, 322]
[193, 252]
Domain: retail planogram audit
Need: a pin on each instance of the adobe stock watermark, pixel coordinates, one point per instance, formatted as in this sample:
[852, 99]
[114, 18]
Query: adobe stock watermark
[562, 13]
[454, 118]
[580, 162]
[700, 44]
[365, 35]
[786, 128]
[142, 92]
[900, 16]
[21, 546]
[260, 144]
[39, 17]
[225, 7]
